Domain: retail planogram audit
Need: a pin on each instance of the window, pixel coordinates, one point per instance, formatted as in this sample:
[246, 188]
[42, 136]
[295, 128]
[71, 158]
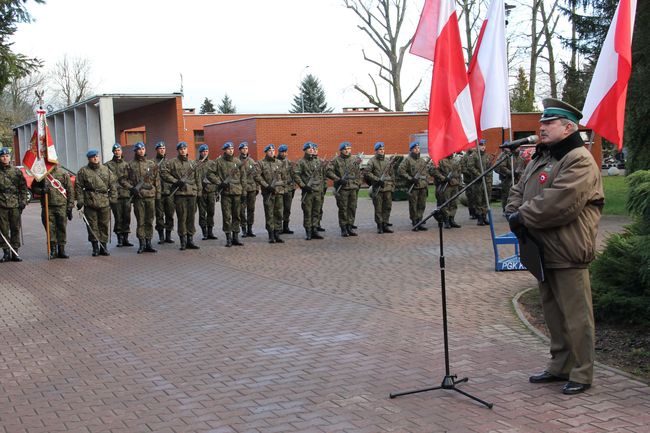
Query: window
[199, 136]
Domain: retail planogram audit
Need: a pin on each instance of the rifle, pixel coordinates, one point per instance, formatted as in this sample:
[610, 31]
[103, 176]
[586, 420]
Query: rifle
[187, 175]
[417, 175]
[323, 164]
[227, 180]
[383, 175]
[346, 174]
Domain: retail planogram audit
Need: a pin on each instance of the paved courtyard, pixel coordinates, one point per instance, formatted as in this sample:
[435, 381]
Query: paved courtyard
[301, 337]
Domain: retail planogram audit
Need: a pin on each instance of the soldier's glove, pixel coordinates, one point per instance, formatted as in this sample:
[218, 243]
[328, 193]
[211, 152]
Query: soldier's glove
[89, 189]
[307, 188]
[270, 189]
[79, 205]
[69, 214]
[224, 185]
[135, 192]
[381, 183]
[516, 225]
[46, 187]
[179, 184]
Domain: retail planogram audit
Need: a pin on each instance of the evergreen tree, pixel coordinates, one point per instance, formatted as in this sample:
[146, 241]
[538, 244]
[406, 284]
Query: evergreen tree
[226, 106]
[521, 98]
[311, 98]
[207, 107]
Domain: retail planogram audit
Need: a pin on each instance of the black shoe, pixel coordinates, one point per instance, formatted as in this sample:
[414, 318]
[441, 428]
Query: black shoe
[315, 235]
[235, 239]
[53, 252]
[148, 248]
[61, 252]
[277, 238]
[286, 229]
[308, 233]
[387, 229]
[204, 230]
[183, 243]
[571, 388]
[344, 232]
[422, 228]
[243, 232]
[95, 245]
[545, 377]
[161, 236]
[454, 224]
[190, 245]
[120, 242]
[6, 257]
[389, 224]
[350, 232]
[168, 237]
[352, 226]
[16, 257]
[249, 232]
[140, 246]
[103, 250]
[125, 240]
[271, 237]
[228, 240]
[211, 233]
[380, 228]
[447, 224]
[320, 229]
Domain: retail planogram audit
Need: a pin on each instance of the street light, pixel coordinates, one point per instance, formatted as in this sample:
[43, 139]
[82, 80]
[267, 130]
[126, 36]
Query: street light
[302, 97]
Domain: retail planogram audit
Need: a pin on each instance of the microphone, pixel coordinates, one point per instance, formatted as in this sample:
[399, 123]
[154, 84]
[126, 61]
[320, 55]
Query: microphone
[515, 144]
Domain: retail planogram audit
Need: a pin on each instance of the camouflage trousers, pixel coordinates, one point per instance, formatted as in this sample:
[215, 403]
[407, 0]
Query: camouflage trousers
[312, 203]
[450, 210]
[287, 199]
[10, 226]
[99, 220]
[247, 208]
[346, 201]
[58, 222]
[185, 210]
[417, 203]
[122, 215]
[273, 211]
[144, 209]
[206, 202]
[165, 213]
[230, 212]
[383, 203]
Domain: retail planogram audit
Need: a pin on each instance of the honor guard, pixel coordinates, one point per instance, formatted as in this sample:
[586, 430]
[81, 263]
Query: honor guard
[448, 177]
[207, 194]
[380, 176]
[165, 204]
[272, 178]
[290, 188]
[180, 172]
[227, 174]
[143, 183]
[249, 192]
[121, 203]
[344, 171]
[309, 175]
[415, 170]
[477, 163]
[319, 211]
[95, 187]
[13, 199]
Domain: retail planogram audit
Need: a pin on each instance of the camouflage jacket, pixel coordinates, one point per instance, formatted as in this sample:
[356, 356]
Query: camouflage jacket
[378, 167]
[202, 171]
[180, 168]
[13, 188]
[309, 170]
[143, 174]
[248, 174]
[56, 197]
[272, 172]
[416, 170]
[448, 172]
[227, 173]
[118, 168]
[165, 187]
[95, 186]
[345, 169]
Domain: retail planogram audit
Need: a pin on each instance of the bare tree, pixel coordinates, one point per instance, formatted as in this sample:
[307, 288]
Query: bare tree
[471, 15]
[383, 24]
[549, 25]
[71, 79]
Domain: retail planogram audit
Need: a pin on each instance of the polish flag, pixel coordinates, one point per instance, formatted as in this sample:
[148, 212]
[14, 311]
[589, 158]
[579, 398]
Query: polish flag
[41, 156]
[604, 109]
[451, 118]
[488, 72]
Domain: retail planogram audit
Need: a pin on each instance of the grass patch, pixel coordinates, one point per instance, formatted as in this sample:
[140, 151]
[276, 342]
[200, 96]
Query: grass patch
[616, 189]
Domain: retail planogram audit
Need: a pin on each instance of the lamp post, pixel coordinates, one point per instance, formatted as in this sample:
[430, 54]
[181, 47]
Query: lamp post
[302, 95]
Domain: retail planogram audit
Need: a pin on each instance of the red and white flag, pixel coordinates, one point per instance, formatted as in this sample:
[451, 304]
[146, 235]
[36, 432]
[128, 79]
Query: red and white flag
[604, 109]
[451, 119]
[488, 72]
[41, 156]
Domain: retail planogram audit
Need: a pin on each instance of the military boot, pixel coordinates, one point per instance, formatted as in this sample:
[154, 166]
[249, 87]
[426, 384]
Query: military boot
[350, 232]
[344, 232]
[308, 233]
[480, 221]
[120, 241]
[168, 237]
[243, 232]
[235, 239]
[211, 233]
[286, 229]
[315, 234]
[319, 229]
[103, 251]
[271, 237]
[53, 253]
[148, 248]
[204, 230]
[7, 255]
[228, 240]
[140, 246]
[125, 240]
[446, 223]
[95, 245]
[183, 240]
[190, 243]
[249, 231]
[161, 236]
[61, 252]
[380, 228]
[387, 229]
[15, 257]
[453, 223]
[277, 237]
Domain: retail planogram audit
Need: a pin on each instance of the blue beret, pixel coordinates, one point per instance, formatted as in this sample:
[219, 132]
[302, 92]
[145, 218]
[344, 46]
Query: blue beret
[243, 144]
[181, 144]
[203, 148]
[483, 141]
[91, 153]
[413, 144]
[269, 147]
[116, 146]
[344, 144]
[138, 145]
[308, 144]
[4, 151]
[227, 145]
[379, 145]
[160, 144]
[283, 148]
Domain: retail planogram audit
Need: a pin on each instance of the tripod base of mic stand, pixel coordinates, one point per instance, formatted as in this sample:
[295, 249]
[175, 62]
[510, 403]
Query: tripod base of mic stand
[449, 382]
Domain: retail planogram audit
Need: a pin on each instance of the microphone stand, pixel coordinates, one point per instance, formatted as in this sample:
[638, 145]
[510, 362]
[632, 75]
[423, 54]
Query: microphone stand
[450, 380]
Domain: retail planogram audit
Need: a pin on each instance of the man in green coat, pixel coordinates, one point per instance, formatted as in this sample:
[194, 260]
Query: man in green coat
[121, 203]
[180, 172]
[447, 177]
[379, 175]
[290, 190]
[416, 170]
[95, 188]
[57, 186]
[207, 194]
[165, 204]
[228, 174]
[13, 199]
[249, 192]
[309, 174]
[344, 171]
[272, 178]
[142, 181]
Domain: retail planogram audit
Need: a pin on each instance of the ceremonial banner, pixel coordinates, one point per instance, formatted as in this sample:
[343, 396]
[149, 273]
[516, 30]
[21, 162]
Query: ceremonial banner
[41, 157]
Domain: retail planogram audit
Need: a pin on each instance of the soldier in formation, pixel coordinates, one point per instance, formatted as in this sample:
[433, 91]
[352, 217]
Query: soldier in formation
[207, 194]
[476, 164]
[142, 181]
[470, 193]
[505, 170]
[344, 171]
[164, 204]
[290, 188]
[448, 178]
[309, 175]
[416, 171]
[13, 199]
[121, 201]
[249, 192]
[380, 176]
[57, 187]
[181, 173]
[95, 188]
[227, 174]
[272, 175]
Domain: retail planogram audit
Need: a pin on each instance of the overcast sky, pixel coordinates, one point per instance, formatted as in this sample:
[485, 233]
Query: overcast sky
[256, 51]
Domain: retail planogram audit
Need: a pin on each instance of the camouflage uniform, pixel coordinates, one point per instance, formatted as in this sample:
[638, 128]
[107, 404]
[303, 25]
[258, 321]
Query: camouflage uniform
[180, 173]
[248, 196]
[227, 173]
[164, 206]
[448, 178]
[309, 175]
[272, 177]
[287, 196]
[60, 201]
[474, 170]
[504, 170]
[142, 180]
[206, 200]
[121, 203]
[415, 171]
[344, 171]
[95, 188]
[13, 199]
[379, 175]
[471, 192]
